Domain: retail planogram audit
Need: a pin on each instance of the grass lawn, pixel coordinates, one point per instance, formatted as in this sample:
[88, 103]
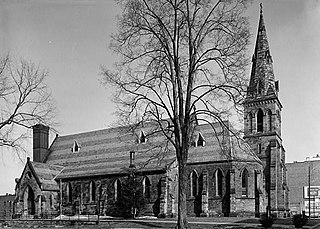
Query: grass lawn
[195, 223]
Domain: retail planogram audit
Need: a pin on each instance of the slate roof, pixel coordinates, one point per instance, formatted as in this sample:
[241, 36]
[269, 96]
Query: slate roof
[220, 145]
[46, 174]
[106, 152]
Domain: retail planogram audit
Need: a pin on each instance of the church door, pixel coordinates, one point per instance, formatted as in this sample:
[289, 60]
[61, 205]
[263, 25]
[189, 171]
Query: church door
[30, 201]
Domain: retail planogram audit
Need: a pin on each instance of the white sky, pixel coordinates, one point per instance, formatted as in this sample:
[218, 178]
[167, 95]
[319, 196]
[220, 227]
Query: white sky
[70, 38]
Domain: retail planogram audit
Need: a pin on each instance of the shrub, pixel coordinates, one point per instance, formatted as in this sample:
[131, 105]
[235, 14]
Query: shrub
[266, 221]
[299, 220]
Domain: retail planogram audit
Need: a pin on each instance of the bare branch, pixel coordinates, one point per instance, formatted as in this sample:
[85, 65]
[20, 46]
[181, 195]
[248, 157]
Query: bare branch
[25, 100]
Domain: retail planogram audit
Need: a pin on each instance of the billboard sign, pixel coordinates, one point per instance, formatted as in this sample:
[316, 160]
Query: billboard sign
[314, 207]
[314, 192]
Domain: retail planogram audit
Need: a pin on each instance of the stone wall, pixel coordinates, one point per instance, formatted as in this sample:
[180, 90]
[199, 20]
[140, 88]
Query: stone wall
[161, 201]
[231, 202]
[6, 206]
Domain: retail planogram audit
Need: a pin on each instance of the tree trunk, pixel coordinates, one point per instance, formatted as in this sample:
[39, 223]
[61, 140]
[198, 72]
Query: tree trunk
[182, 198]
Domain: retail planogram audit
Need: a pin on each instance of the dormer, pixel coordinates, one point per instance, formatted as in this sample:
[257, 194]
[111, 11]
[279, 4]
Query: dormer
[75, 148]
[142, 138]
[200, 140]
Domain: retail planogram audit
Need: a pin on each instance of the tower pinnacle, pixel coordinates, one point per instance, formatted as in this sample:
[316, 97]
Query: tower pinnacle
[262, 81]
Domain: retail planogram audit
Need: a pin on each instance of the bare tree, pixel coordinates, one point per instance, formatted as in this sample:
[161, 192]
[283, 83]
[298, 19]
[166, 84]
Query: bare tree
[179, 59]
[24, 101]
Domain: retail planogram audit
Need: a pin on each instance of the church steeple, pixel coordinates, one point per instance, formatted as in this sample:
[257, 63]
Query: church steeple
[262, 82]
[262, 122]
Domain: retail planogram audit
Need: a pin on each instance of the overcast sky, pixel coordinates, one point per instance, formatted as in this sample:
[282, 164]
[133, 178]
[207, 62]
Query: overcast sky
[70, 38]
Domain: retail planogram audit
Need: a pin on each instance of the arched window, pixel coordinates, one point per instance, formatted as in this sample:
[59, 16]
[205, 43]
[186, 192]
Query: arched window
[200, 141]
[260, 87]
[270, 120]
[30, 201]
[193, 183]
[92, 191]
[29, 175]
[244, 177]
[117, 189]
[218, 182]
[146, 187]
[51, 200]
[259, 148]
[278, 115]
[260, 121]
[69, 192]
[250, 117]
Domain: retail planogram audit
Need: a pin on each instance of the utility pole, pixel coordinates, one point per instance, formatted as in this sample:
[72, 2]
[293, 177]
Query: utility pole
[60, 198]
[309, 191]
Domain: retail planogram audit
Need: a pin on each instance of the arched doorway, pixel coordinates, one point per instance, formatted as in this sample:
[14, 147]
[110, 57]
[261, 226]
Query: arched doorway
[30, 201]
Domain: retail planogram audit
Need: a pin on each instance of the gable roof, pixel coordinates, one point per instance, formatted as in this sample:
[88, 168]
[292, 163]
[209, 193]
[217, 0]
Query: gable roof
[46, 174]
[43, 173]
[107, 151]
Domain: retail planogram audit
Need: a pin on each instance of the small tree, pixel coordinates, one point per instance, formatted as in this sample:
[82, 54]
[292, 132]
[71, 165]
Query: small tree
[183, 61]
[25, 100]
[131, 202]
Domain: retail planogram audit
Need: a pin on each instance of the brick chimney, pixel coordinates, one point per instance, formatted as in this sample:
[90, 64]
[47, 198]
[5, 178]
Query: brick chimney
[40, 142]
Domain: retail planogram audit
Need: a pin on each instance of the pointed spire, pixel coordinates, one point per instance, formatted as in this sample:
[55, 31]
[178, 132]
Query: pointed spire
[262, 41]
[262, 79]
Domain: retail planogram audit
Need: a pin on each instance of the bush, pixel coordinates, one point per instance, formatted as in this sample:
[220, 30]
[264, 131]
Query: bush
[299, 220]
[266, 221]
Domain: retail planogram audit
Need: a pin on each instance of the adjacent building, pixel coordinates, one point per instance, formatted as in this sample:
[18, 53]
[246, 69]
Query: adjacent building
[6, 206]
[303, 178]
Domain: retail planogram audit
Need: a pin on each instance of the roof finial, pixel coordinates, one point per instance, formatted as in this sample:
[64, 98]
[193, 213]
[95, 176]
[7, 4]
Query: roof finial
[261, 8]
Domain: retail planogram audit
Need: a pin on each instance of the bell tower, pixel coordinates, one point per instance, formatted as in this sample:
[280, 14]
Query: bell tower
[262, 122]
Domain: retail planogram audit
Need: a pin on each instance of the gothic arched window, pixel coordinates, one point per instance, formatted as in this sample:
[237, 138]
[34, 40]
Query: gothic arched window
[51, 200]
[259, 148]
[69, 192]
[250, 117]
[92, 191]
[193, 183]
[244, 182]
[218, 182]
[270, 120]
[117, 189]
[146, 187]
[260, 121]
[29, 175]
[260, 87]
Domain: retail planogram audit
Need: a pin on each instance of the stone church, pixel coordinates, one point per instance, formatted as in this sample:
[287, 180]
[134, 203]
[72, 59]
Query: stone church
[86, 173]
